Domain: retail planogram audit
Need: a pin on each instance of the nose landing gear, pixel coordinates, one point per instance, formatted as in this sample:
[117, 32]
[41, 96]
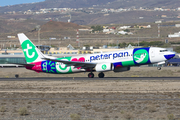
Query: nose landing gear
[159, 68]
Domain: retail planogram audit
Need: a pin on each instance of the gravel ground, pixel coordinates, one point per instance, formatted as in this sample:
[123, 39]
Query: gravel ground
[91, 100]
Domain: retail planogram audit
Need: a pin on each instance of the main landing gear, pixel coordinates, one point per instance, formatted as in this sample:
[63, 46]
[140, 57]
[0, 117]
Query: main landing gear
[90, 75]
[100, 75]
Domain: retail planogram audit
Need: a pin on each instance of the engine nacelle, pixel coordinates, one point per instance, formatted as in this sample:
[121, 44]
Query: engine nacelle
[121, 69]
[102, 67]
[160, 63]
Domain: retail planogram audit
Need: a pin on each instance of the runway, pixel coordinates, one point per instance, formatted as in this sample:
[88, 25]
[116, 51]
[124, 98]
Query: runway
[94, 99]
[89, 79]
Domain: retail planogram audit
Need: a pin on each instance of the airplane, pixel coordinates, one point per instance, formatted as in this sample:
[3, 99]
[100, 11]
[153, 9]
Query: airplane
[117, 61]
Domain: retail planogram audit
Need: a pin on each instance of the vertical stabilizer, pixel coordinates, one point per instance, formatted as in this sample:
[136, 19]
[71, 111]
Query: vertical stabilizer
[31, 52]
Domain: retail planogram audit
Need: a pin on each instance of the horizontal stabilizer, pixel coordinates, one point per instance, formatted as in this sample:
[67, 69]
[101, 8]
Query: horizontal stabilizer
[30, 65]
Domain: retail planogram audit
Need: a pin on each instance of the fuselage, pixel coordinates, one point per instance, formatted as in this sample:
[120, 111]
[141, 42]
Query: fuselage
[117, 59]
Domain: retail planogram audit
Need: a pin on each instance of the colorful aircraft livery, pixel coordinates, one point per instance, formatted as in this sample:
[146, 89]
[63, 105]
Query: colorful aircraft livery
[117, 61]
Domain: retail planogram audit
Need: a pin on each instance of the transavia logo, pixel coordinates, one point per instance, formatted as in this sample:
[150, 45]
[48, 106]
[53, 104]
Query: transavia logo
[141, 56]
[104, 67]
[29, 51]
[62, 67]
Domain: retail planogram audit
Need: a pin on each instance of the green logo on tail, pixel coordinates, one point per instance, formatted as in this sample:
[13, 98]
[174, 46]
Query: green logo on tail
[29, 51]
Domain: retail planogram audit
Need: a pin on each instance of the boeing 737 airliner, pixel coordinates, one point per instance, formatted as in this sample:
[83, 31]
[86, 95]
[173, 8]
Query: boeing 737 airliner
[117, 61]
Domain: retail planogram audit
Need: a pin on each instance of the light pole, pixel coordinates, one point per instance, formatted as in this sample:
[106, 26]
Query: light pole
[38, 28]
[158, 30]
[39, 35]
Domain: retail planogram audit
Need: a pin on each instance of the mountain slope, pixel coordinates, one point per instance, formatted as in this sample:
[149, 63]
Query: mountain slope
[55, 4]
[143, 3]
[90, 3]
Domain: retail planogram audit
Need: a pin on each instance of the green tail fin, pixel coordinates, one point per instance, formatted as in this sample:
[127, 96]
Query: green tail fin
[31, 52]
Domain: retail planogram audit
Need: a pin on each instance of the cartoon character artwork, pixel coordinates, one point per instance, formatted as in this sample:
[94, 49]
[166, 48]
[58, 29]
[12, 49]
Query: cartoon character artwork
[48, 66]
[141, 56]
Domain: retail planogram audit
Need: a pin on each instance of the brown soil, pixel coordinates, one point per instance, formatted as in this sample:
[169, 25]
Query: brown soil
[53, 26]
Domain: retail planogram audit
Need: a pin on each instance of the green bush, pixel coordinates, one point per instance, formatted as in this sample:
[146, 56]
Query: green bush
[23, 111]
[75, 117]
[170, 117]
[96, 28]
[177, 49]
[128, 116]
[2, 109]
[152, 108]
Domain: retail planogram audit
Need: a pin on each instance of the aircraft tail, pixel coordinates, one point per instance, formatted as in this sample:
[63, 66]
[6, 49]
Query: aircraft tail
[31, 52]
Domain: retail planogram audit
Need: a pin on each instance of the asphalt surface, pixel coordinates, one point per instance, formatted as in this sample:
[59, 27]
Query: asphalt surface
[139, 99]
[86, 78]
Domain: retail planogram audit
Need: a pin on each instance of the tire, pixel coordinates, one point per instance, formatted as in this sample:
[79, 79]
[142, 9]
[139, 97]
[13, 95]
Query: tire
[90, 75]
[16, 76]
[159, 68]
[101, 75]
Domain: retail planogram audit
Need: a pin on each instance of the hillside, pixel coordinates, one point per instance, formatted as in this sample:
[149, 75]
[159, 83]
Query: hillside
[48, 30]
[55, 4]
[91, 12]
[55, 26]
[59, 29]
[12, 27]
[90, 3]
[143, 4]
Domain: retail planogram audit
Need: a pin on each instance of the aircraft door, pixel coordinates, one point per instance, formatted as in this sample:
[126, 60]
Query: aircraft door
[152, 53]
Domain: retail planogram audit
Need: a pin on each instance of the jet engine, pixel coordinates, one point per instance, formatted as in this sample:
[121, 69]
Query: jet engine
[101, 67]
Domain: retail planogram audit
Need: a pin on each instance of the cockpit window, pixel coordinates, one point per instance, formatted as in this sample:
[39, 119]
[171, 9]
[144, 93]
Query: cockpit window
[163, 50]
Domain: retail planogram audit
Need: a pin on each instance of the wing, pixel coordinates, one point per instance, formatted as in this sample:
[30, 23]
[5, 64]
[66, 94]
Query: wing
[83, 65]
[30, 65]
[20, 64]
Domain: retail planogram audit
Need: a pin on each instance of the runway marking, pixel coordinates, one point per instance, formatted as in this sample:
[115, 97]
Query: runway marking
[95, 92]
[91, 79]
[137, 99]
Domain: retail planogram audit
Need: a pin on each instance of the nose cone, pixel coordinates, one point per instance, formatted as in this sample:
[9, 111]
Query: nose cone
[169, 56]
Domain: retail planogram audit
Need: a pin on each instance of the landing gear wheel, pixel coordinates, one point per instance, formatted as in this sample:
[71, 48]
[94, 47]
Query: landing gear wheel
[159, 68]
[16, 76]
[101, 75]
[90, 75]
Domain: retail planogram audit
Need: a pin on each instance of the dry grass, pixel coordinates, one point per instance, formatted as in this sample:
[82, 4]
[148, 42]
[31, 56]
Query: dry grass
[170, 117]
[152, 108]
[23, 111]
[129, 116]
[2, 109]
[75, 117]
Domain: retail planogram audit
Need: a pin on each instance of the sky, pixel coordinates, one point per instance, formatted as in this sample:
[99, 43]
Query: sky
[14, 2]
